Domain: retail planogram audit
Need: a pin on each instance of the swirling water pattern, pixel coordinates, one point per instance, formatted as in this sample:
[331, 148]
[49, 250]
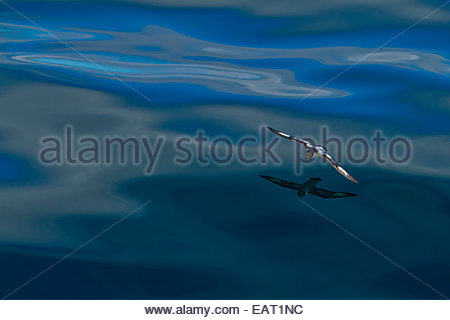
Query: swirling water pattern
[222, 232]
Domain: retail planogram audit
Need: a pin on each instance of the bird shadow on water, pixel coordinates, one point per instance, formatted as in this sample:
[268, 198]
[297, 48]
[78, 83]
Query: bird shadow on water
[309, 187]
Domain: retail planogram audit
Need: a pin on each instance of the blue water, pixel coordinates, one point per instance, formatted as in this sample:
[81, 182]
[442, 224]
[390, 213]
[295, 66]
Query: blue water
[220, 231]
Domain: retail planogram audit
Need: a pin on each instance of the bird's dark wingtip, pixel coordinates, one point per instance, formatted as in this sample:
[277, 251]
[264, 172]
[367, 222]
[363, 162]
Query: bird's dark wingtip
[273, 130]
[349, 177]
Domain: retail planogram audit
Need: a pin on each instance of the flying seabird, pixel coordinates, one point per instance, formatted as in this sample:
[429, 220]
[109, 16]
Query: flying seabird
[312, 150]
[309, 187]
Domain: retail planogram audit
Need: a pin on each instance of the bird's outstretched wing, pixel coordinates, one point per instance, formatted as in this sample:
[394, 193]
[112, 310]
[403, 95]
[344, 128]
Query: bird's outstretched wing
[283, 183]
[338, 167]
[330, 194]
[305, 143]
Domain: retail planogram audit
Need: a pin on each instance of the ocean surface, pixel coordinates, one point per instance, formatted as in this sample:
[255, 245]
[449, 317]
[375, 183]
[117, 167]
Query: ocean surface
[228, 69]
